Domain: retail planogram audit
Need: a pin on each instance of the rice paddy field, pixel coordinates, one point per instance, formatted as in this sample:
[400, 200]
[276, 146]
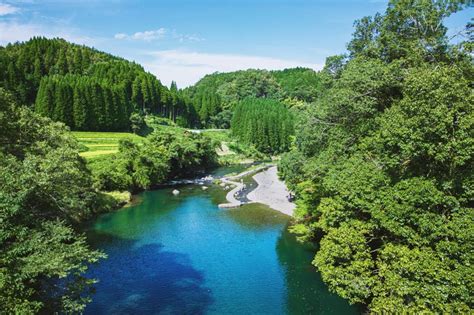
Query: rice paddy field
[98, 144]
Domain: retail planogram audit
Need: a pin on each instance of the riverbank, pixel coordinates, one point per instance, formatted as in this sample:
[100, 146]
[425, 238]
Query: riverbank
[153, 267]
[272, 192]
[231, 180]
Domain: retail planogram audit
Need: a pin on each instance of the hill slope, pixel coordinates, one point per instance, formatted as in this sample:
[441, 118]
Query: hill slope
[83, 87]
[215, 96]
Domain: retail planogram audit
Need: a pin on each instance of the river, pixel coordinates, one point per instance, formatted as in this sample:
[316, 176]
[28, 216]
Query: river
[183, 255]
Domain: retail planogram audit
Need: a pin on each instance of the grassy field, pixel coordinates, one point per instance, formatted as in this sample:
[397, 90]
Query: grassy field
[101, 143]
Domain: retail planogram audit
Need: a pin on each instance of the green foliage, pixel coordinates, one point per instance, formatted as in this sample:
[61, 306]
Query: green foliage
[410, 30]
[84, 88]
[231, 151]
[291, 167]
[96, 144]
[298, 83]
[383, 165]
[91, 90]
[137, 122]
[216, 95]
[221, 120]
[247, 151]
[345, 261]
[264, 123]
[44, 188]
[165, 154]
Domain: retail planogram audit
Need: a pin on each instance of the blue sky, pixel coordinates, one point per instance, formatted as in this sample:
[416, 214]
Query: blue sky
[186, 39]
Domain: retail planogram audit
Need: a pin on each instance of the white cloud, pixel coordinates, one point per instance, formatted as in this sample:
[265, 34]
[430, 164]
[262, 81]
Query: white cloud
[160, 33]
[145, 36]
[120, 36]
[6, 9]
[13, 31]
[186, 68]
[186, 37]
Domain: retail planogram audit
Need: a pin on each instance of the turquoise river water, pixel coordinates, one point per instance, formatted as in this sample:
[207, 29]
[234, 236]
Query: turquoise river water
[183, 255]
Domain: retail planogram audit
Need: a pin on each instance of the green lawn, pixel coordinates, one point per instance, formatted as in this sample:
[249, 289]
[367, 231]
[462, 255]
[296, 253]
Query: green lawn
[101, 143]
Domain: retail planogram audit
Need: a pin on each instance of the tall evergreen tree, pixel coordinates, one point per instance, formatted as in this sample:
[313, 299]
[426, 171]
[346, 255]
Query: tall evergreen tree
[79, 108]
[264, 123]
[97, 76]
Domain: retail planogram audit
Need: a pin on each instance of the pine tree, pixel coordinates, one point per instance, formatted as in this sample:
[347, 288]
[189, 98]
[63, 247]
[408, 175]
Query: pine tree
[37, 72]
[79, 108]
[101, 90]
[61, 65]
[137, 96]
[265, 123]
[45, 99]
[77, 61]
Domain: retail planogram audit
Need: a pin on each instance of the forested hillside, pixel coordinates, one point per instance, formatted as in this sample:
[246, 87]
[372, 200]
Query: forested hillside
[85, 88]
[263, 123]
[92, 90]
[384, 164]
[215, 96]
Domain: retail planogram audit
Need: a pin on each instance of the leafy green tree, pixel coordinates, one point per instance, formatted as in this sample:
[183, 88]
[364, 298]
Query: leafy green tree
[220, 92]
[162, 156]
[383, 165]
[45, 187]
[137, 122]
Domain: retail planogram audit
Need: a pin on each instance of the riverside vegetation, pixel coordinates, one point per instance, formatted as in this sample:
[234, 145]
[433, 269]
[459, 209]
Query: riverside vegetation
[47, 189]
[384, 165]
[378, 148]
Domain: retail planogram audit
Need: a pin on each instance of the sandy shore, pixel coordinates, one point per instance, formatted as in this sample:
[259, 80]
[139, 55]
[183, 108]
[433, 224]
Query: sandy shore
[271, 191]
[232, 201]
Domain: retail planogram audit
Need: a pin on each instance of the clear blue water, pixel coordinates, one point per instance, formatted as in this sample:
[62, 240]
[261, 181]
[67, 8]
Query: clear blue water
[183, 255]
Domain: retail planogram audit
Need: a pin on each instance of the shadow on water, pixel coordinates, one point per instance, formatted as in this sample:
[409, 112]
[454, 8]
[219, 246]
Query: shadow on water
[145, 280]
[306, 292]
[183, 255]
[256, 217]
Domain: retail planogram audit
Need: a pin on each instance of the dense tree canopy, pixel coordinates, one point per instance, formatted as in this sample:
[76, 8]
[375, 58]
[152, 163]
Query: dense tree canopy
[44, 188]
[384, 165]
[264, 123]
[91, 90]
[298, 83]
[84, 88]
[216, 95]
[165, 154]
